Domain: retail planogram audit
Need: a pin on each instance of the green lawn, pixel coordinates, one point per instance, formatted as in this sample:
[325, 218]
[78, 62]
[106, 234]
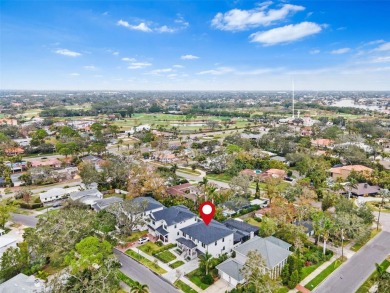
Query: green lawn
[308, 270]
[371, 279]
[253, 222]
[176, 264]
[23, 211]
[125, 279]
[283, 290]
[219, 177]
[189, 171]
[146, 262]
[51, 212]
[166, 256]
[357, 246]
[149, 247]
[136, 235]
[324, 274]
[195, 277]
[184, 287]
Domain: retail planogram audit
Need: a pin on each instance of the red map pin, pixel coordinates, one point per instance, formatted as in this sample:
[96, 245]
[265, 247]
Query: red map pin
[207, 211]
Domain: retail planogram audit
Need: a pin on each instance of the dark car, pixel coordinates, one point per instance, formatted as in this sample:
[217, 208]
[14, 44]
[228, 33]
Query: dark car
[56, 205]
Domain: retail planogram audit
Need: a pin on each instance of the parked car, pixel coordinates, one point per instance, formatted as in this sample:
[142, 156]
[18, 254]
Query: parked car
[56, 205]
[143, 240]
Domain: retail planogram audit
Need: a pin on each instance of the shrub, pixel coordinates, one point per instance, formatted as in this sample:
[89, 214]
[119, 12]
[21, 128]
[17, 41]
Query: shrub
[207, 279]
[159, 243]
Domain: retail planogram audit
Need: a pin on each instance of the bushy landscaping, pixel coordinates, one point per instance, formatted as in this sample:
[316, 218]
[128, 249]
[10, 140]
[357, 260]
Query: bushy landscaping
[197, 277]
[360, 244]
[371, 280]
[136, 235]
[125, 279]
[176, 264]
[184, 287]
[324, 274]
[154, 267]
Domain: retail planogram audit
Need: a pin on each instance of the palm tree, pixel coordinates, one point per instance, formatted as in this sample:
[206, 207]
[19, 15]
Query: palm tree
[139, 288]
[205, 262]
[326, 228]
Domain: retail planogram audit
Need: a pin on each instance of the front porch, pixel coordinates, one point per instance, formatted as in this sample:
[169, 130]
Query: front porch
[187, 247]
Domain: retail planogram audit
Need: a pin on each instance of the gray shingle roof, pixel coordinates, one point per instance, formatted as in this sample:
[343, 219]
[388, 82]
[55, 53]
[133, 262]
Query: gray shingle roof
[279, 242]
[152, 203]
[186, 242]
[207, 234]
[232, 268]
[79, 194]
[106, 202]
[241, 226]
[272, 253]
[162, 231]
[173, 215]
[22, 283]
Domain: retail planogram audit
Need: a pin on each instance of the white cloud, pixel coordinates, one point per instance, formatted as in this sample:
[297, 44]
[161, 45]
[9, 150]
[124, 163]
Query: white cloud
[139, 65]
[178, 66]
[127, 59]
[165, 29]
[189, 57]
[316, 51]
[116, 53]
[159, 71]
[217, 71]
[383, 47]
[237, 19]
[141, 27]
[181, 21]
[383, 59]
[74, 74]
[68, 53]
[284, 34]
[90, 67]
[340, 51]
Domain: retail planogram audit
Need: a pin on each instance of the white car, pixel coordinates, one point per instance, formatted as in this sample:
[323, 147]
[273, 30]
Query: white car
[143, 240]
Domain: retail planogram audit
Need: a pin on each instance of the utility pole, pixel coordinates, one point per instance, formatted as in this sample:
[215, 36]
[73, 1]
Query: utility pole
[342, 244]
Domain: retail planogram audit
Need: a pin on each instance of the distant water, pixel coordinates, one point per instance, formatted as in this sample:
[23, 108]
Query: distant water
[350, 103]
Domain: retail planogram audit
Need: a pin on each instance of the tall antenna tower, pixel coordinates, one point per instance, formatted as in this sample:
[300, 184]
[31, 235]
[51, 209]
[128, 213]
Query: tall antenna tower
[293, 100]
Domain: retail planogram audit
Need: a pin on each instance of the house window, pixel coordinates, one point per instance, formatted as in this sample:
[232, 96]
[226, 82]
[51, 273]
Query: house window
[165, 226]
[153, 222]
[175, 226]
[223, 239]
[223, 248]
[203, 245]
[216, 243]
[184, 234]
[178, 233]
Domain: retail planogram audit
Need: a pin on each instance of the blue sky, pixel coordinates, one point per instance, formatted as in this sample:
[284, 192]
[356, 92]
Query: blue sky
[195, 45]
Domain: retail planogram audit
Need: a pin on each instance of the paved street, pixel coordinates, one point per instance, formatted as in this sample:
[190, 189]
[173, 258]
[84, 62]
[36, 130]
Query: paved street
[143, 275]
[349, 277]
[26, 220]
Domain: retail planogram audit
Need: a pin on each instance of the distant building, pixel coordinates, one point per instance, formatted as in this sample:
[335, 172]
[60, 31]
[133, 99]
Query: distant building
[56, 193]
[273, 173]
[322, 143]
[186, 190]
[344, 171]
[8, 121]
[87, 197]
[102, 204]
[6, 242]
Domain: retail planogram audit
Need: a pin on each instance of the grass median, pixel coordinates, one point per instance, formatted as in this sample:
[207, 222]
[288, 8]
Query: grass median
[151, 265]
[184, 287]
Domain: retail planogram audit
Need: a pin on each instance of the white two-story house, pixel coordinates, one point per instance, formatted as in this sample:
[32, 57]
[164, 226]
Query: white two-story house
[166, 223]
[215, 238]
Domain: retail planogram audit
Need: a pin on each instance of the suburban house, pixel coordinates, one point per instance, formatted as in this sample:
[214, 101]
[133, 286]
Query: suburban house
[322, 143]
[7, 241]
[273, 173]
[166, 224]
[307, 226]
[273, 250]
[344, 171]
[151, 205]
[23, 283]
[104, 203]
[242, 231]
[164, 157]
[214, 238]
[56, 193]
[54, 163]
[362, 189]
[186, 190]
[87, 197]
[12, 151]
[251, 173]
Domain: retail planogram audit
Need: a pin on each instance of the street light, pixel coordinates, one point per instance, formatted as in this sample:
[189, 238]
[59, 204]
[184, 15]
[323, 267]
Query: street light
[384, 193]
